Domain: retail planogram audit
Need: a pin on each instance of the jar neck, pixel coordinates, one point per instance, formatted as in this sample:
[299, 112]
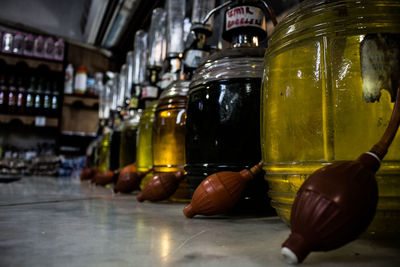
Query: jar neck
[245, 40]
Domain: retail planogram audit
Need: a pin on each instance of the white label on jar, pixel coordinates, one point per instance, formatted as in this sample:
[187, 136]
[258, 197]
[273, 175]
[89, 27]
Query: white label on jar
[380, 68]
[149, 91]
[244, 16]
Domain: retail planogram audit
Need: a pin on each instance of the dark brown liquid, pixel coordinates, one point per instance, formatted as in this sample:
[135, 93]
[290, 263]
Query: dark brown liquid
[114, 150]
[223, 134]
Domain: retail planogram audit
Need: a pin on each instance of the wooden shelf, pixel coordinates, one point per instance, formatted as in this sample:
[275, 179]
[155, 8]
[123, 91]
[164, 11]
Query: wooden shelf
[81, 102]
[11, 59]
[30, 120]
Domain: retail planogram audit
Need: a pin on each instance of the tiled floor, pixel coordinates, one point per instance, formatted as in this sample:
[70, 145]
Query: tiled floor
[62, 222]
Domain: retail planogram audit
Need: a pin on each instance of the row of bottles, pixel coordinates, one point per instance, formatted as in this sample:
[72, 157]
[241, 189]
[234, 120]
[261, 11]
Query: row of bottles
[29, 45]
[200, 126]
[38, 96]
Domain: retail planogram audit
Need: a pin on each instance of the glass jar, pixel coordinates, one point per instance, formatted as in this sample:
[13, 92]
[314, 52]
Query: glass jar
[127, 151]
[223, 121]
[321, 99]
[144, 152]
[104, 151]
[169, 134]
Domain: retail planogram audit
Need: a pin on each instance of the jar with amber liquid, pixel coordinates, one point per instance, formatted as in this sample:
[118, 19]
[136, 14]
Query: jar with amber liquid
[144, 152]
[168, 137]
[330, 77]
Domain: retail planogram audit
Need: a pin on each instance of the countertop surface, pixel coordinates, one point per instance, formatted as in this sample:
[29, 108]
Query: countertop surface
[47, 221]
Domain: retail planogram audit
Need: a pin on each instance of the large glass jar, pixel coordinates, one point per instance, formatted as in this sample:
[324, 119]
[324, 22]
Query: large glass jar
[169, 134]
[144, 151]
[127, 151]
[317, 105]
[223, 121]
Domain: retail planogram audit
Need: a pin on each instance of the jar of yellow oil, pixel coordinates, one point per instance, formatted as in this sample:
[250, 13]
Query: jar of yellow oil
[144, 151]
[104, 151]
[329, 81]
[127, 151]
[168, 137]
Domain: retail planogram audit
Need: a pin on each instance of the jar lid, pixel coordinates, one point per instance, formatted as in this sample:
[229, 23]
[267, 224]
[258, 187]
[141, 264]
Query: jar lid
[239, 62]
[178, 88]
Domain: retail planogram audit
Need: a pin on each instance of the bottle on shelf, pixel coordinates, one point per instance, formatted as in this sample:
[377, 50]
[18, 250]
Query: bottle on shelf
[47, 99]
[21, 94]
[12, 95]
[59, 50]
[38, 47]
[28, 45]
[6, 46]
[68, 80]
[38, 103]
[30, 97]
[49, 48]
[3, 94]
[54, 100]
[80, 83]
[18, 43]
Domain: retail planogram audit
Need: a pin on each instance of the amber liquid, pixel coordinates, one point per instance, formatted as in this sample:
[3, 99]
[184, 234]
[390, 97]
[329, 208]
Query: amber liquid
[144, 152]
[223, 134]
[314, 114]
[127, 153]
[168, 141]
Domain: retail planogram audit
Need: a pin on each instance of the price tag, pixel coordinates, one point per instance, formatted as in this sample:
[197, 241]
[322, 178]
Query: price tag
[40, 121]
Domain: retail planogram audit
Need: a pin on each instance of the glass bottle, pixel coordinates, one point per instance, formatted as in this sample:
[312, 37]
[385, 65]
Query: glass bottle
[144, 152]
[28, 45]
[3, 94]
[49, 48]
[38, 104]
[47, 99]
[223, 110]
[12, 96]
[30, 97]
[327, 96]
[54, 100]
[7, 44]
[104, 144]
[38, 46]
[127, 154]
[168, 137]
[21, 96]
[18, 44]
[59, 47]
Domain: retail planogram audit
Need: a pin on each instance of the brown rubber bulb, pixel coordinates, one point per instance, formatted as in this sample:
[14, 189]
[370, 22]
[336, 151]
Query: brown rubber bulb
[219, 192]
[104, 178]
[88, 174]
[337, 202]
[129, 179]
[333, 207]
[161, 186]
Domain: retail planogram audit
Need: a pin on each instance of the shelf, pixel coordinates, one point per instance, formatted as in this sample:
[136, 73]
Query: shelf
[39, 121]
[11, 59]
[81, 102]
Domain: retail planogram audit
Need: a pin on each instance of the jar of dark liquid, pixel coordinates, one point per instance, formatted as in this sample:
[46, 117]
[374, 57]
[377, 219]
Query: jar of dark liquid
[223, 111]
